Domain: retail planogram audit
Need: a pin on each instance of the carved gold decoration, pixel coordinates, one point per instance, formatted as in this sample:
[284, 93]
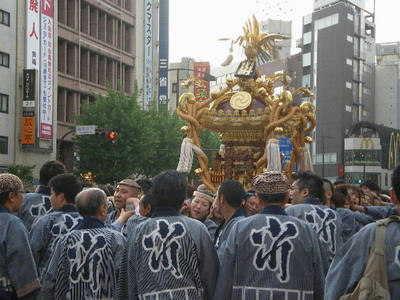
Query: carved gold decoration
[240, 100]
[248, 118]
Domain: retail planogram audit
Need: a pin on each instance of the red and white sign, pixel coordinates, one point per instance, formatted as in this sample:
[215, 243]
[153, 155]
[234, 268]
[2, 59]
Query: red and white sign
[46, 74]
[202, 89]
[32, 34]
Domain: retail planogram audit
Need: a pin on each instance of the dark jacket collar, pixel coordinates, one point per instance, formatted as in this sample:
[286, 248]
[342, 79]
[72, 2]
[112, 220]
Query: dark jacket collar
[313, 201]
[165, 211]
[274, 210]
[68, 208]
[44, 190]
[4, 209]
[90, 223]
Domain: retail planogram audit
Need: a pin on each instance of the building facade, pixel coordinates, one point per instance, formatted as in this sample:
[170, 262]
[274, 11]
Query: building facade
[387, 92]
[8, 68]
[338, 54]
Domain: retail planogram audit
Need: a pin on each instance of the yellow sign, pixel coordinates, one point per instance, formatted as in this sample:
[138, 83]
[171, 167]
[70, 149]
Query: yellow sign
[368, 142]
[394, 149]
[28, 130]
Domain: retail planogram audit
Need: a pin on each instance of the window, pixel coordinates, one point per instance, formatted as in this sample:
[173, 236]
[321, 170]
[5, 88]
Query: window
[4, 17]
[327, 21]
[306, 59]
[350, 17]
[349, 61]
[329, 158]
[3, 145]
[348, 85]
[348, 108]
[307, 19]
[349, 38]
[4, 59]
[3, 103]
[307, 38]
[306, 80]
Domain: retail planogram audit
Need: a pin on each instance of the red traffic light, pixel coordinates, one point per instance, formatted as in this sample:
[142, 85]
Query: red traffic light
[111, 135]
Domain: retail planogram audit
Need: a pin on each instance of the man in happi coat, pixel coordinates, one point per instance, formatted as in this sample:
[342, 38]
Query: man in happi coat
[169, 256]
[271, 255]
[306, 193]
[18, 275]
[48, 229]
[38, 204]
[86, 260]
[229, 198]
[350, 262]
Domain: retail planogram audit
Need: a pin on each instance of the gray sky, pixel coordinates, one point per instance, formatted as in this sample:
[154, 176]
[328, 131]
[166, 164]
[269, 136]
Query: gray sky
[195, 26]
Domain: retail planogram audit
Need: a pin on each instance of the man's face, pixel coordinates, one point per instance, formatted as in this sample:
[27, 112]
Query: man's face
[199, 208]
[18, 197]
[296, 195]
[365, 189]
[252, 206]
[57, 200]
[123, 192]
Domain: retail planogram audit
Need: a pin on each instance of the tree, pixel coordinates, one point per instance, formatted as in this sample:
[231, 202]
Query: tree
[25, 173]
[134, 147]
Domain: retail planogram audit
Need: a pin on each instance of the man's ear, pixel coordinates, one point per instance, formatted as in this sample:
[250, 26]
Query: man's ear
[393, 197]
[305, 193]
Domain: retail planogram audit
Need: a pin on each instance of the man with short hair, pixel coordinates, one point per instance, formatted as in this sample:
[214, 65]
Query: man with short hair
[86, 260]
[127, 188]
[306, 193]
[350, 262]
[271, 255]
[18, 275]
[48, 229]
[229, 197]
[169, 256]
[38, 204]
[251, 204]
[200, 207]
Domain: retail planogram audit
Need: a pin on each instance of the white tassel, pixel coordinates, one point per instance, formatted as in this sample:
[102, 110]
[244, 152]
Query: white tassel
[186, 156]
[305, 163]
[273, 156]
[221, 148]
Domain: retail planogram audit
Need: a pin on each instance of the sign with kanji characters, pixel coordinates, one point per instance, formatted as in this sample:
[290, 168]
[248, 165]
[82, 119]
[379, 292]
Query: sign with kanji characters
[32, 34]
[28, 128]
[29, 84]
[285, 147]
[148, 53]
[201, 89]
[163, 54]
[46, 74]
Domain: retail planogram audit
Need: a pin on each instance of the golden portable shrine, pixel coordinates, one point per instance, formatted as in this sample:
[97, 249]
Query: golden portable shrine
[249, 118]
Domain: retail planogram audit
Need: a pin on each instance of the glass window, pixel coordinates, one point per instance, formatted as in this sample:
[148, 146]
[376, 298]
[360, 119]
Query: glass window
[306, 59]
[348, 108]
[4, 17]
[306, 80]
[349, 61]
[307, 38]
[350, 17]
[349, 38]
[307, 19]
[3, 103]
[3, 145]
[4, 59]
[327, 21]
[348, 85]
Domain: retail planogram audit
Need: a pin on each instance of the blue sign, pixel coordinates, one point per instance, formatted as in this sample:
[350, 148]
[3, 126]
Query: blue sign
[285, 146]
[163, 55]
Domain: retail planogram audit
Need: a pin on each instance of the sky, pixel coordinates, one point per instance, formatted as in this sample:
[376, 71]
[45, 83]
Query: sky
[196, 26]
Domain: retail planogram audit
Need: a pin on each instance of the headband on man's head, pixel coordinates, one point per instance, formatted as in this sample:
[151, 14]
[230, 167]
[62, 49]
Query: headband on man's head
[205, 195]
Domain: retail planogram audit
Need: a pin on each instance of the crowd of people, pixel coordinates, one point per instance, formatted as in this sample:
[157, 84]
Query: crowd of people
[160, 239]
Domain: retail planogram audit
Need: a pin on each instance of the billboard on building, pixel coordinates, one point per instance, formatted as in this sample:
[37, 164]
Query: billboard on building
[32, 34]
[201, 89]
[163, 54]
[46, 74]
[28, 128]
[148, 54]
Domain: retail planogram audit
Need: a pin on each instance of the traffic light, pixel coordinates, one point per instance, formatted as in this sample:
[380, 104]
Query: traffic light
[360, 180]
[112, 136]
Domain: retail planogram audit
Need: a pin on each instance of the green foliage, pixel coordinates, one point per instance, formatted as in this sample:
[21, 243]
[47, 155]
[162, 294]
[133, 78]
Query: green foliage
[25, 173]
[148, 142]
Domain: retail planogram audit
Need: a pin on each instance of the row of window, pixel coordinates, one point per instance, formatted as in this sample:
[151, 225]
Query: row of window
[3, 103]
[4, 17]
